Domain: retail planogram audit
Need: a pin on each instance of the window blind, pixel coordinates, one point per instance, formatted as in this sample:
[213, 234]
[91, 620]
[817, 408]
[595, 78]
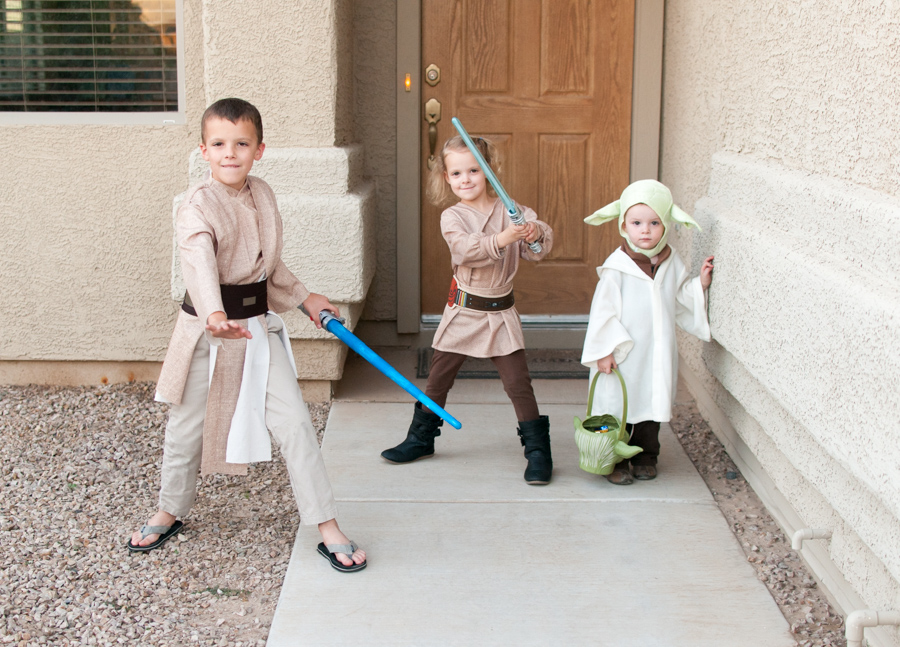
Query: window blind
[88, 56]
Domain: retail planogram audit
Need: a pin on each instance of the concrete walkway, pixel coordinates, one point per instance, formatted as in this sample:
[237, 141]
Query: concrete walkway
[463, 552]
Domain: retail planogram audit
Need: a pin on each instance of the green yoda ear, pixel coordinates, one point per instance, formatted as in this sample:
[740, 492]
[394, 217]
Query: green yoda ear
[683, 218]
[612, 211]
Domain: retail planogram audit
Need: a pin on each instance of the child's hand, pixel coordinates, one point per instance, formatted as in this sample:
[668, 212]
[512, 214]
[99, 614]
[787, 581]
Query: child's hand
[512, 234]
[316, 303]
[533, 232]
[607, 364]
[706, 272]
[221, 327]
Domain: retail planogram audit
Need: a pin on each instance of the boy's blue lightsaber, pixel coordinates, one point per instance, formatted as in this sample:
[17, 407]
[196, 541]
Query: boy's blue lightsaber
[335, 326]
[514, 214]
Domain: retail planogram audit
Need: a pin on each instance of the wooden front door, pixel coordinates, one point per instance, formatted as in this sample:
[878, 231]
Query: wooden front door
[550, 82]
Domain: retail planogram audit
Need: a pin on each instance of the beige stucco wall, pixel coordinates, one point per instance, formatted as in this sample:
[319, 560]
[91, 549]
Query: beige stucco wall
[781, 132]
[87, 210]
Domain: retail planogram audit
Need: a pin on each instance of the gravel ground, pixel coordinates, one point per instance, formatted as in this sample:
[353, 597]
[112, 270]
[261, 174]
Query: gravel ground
[79, 470]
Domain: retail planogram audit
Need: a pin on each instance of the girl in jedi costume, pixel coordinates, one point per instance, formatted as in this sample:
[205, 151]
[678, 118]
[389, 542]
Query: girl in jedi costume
[644, 291]
[480, 319]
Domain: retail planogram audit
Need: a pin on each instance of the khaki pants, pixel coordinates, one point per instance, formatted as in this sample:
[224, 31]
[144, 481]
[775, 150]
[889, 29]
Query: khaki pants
[287, 418]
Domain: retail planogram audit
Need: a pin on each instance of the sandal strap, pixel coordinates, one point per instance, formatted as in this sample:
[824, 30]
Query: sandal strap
[146, 531]
[347, 549]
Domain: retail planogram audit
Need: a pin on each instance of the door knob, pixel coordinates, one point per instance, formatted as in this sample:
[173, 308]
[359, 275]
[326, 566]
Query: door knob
[432, 116]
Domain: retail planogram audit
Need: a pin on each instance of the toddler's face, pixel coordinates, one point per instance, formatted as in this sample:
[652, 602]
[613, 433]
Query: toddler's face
[231, 150]
[643, 227]
[464, 176]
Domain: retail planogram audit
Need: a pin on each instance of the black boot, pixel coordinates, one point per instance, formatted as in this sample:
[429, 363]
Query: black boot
[535, 436]
[419, 441]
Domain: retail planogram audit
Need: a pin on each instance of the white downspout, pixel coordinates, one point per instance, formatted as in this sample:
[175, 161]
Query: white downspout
[803, 534]
[857, 620]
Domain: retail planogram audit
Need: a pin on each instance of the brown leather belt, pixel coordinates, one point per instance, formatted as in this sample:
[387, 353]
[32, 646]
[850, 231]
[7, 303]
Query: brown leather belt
[475, 302]
[240, 301]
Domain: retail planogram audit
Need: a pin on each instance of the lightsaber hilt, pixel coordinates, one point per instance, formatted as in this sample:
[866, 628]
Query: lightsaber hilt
[511, 209]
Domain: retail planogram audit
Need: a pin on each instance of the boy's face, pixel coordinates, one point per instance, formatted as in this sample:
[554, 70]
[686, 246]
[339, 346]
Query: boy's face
[643, 227]
[231, 150]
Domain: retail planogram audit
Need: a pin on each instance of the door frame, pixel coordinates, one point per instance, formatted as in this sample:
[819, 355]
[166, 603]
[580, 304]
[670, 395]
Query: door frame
[646, 102]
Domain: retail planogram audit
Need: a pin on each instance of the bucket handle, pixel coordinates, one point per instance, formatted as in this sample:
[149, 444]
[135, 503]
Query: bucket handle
[624, 395]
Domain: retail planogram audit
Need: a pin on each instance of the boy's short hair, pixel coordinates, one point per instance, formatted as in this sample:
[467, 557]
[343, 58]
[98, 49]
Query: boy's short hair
[233, 110]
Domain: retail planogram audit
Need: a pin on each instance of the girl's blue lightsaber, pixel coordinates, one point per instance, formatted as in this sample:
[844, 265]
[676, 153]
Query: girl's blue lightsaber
[335, 326]
[514, 214]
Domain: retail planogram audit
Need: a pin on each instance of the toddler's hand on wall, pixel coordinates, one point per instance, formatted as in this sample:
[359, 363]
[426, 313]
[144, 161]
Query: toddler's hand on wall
[706, 272]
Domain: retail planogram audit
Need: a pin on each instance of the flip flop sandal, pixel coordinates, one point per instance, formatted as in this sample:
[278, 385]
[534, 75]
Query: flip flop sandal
[348, 549]
[165, 534]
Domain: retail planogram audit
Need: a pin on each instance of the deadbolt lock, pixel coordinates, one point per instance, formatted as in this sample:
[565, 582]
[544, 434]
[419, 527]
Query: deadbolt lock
[432, 75]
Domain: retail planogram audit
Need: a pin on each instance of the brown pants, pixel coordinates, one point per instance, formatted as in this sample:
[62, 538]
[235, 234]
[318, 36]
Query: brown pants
[646, 436]
[513, 373]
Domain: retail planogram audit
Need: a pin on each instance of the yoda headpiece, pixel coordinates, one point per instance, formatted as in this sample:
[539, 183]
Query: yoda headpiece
[653, 194]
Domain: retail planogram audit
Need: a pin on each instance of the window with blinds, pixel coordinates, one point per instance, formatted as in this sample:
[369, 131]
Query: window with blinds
[88, 56]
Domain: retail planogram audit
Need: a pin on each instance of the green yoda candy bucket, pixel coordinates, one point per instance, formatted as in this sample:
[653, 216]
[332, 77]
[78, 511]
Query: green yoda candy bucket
[602, 440]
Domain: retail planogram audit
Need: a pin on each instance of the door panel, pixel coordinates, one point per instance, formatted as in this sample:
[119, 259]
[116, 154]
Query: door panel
[550, 82]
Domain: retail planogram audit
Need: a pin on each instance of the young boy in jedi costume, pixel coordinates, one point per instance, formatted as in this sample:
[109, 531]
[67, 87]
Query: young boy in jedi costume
[227, 395]
[643, 293]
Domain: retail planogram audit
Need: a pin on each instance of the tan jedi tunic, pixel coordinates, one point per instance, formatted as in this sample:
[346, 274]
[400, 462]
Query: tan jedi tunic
[484, 269]
[229, 237]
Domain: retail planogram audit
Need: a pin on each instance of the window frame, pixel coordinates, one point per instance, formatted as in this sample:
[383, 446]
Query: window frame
[51, 118]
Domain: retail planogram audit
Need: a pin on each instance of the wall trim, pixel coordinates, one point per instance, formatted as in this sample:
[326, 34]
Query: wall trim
[409, 57]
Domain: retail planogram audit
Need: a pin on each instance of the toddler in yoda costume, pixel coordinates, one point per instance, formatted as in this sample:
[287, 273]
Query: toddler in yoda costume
[644, 291]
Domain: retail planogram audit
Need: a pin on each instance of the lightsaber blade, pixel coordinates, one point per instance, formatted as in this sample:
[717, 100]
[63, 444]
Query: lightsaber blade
[511, 209]
[335, 326]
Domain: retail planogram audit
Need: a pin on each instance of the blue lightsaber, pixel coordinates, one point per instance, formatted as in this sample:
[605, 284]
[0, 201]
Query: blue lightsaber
[335, 326]
[511, 209]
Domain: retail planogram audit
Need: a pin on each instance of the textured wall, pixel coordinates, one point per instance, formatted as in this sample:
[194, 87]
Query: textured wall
[780, 132]
[375, 114]
[284, 58]
[84, 219]
[87, 210]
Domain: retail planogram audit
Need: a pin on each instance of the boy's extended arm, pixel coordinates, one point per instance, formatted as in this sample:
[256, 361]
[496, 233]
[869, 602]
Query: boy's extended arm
[198, 260]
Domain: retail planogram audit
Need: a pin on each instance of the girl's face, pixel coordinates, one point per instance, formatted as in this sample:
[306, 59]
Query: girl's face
[643, 227]
[464, 176]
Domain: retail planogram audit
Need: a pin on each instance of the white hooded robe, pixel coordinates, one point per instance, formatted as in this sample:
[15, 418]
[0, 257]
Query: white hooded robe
[634, 317]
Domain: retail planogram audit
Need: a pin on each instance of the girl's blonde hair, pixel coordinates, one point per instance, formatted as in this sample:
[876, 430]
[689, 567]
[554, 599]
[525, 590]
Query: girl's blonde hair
[438, 190]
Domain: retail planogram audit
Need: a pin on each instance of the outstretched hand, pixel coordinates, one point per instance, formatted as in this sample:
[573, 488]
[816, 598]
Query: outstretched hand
[221, 327]
[706, 272]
